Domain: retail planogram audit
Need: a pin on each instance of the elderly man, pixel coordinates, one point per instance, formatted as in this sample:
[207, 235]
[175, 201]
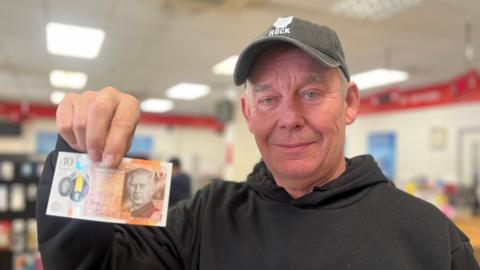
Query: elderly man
[304, 205]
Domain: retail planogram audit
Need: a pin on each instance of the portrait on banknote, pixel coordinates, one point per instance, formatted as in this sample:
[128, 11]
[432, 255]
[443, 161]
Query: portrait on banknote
[143, 192]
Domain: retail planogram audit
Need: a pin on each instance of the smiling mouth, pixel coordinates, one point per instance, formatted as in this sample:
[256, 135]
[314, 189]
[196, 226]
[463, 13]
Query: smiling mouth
[292, 147]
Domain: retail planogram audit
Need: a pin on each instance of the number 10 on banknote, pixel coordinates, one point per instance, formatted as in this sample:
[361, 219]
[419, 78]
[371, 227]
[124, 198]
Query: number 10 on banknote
[136, 192]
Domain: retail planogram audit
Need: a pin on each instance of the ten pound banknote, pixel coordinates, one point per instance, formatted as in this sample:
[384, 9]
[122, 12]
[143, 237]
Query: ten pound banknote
[136, 192]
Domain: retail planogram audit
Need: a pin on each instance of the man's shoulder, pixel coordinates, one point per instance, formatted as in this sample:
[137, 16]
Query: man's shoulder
[216, 195]
[225, 186]
[406, 205]
[221, 191]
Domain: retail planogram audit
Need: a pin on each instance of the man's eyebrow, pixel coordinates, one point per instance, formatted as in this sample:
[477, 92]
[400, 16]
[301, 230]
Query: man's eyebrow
[260, 87]
[316, 78]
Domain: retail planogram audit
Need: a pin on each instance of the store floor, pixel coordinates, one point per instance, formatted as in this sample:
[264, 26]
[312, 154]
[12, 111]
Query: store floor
[471, 227]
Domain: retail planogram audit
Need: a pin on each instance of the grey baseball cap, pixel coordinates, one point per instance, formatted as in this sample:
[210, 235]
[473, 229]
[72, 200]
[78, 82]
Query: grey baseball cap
[319, 41]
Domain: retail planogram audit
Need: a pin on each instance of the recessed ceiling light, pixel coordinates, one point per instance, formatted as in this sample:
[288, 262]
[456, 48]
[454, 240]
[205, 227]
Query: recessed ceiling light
[68, 79]
[156, 105]
[56, 97]
[373, 10]
[75, 41]
[188, 91]
[226, 66]
[378, 77]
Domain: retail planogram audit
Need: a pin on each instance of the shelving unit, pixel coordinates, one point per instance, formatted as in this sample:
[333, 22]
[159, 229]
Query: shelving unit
[19, 176]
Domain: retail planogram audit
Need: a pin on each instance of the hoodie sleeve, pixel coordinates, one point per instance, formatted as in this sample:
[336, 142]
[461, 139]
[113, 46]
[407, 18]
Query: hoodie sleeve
[462, 253]
[76, 244]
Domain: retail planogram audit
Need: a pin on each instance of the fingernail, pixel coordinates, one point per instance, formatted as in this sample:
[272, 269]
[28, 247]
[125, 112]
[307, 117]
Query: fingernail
[109, 160]
[94, 155]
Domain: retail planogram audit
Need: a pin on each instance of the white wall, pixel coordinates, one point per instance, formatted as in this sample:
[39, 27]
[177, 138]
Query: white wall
[245, 152]
[415, 156]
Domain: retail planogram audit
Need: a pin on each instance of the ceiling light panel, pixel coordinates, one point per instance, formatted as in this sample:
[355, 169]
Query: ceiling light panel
[68, 79]
[188, 91]
[56, 97]
[226, 66]
[373, 10]
[156, 105]
[74, 41]
[378, 77]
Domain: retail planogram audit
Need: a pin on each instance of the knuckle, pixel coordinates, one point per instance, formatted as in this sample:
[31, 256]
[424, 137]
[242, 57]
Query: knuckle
[133, 103]
[101, 106]
[71, 95]
[69, 98]
[123, 122]
[95, 142]
[115, 146]
[64, 127]
[79, 124]
[131, 100]
[90, 94]
[109, 90]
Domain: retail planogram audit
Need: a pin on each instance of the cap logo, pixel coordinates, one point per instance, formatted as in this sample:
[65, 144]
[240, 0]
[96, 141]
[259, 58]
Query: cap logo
[281, 26]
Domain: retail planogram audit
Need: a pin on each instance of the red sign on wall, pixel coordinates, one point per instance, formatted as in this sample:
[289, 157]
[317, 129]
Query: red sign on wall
[465, 88]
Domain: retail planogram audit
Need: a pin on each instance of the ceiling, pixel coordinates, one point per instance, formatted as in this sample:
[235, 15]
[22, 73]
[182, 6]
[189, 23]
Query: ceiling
[151, 45]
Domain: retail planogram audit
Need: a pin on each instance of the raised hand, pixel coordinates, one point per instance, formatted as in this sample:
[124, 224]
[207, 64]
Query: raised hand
[100, 124]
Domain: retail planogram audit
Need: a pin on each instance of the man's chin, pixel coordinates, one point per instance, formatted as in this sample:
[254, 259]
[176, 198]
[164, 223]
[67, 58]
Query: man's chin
[294, 169]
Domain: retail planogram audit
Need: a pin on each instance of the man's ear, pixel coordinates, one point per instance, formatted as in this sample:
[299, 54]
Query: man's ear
[352, 101]
[246, 111]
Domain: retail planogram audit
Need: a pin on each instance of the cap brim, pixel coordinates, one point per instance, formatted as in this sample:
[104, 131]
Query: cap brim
[249, 54]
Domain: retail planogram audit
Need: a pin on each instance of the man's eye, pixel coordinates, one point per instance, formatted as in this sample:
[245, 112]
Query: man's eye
[311, 94]
[267, 101]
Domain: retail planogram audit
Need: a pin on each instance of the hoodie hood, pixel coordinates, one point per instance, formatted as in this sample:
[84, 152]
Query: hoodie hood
[361, 174]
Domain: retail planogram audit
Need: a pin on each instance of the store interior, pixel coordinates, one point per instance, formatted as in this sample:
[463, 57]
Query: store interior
[422, 128]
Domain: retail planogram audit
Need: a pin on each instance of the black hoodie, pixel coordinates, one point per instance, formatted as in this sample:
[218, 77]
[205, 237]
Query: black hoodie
[358, 221]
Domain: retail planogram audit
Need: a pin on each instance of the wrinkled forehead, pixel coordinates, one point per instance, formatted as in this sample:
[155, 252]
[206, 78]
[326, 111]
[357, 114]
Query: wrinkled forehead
[276, 58]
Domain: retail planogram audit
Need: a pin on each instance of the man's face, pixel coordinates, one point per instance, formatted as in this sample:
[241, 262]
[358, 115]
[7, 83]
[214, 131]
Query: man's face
[297, 114]
[141, 189]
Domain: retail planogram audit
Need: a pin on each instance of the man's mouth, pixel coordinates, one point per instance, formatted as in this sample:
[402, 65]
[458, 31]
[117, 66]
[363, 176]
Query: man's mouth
[292, 147]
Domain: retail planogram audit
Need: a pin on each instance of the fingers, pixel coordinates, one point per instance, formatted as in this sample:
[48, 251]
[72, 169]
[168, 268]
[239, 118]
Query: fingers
[99, 123]
[99, 116]
[80, 108]
[121, 130]
[64, 120]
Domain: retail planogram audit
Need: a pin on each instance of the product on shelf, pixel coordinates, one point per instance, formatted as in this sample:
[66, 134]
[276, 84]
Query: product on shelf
[26, 170]
[18, 235]
[5, 231]
[7, 170]
[32, 192]
[3, 198]
[32, 243]
[17, 198]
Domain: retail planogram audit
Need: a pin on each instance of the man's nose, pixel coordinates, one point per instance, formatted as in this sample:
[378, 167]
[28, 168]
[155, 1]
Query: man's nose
[291, 115]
